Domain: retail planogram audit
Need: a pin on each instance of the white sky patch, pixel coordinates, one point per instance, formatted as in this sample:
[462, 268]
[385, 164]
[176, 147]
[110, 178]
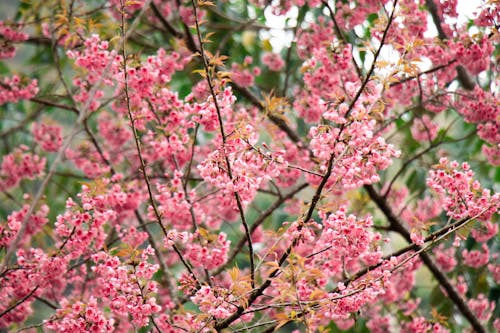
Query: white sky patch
[278, 36]
[281, 38]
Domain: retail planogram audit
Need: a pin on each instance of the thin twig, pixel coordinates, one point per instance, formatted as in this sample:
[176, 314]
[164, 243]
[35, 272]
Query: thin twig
[221, 128]
[139, 151]
[19, 302]
[397, 226]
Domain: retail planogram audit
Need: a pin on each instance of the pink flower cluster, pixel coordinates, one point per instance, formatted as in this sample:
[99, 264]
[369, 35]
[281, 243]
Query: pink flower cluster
[207, 250]
[80, 317]
[331, 74]
[422, 325]
[18, 165]
[38, 274]
[207, 112]
[242, 75]
[482, 307]
[14, 89]
[10, 35]
[16, 284]
[214, 301]
[86, 158]
[174, 208]
[148, 80]
[273, 61]
[495, 272]
[399, 282]
[461, 195]
[488, 15]
[48, 136]
[128, 285]
[250, 167]
[309, 106]
[473, 55]
[476, 258]
[424, 210]
[98, 64]
[14, 221]
[95, 59]
[423, 129]
[359, 154]
[100, 205]
[445, 258]
[348, 15]
[314, 37]
[340, 310]
[351, 242]
[413, 23]
[485, 232]
[419, 217]
[482, 107]
[115, 131]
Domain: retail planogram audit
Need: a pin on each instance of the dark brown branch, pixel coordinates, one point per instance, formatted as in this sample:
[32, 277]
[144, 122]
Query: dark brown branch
[47, 302]
[397, 226]
[462, 75]
[165, 23]
[247, 94]
[429, 71]
[19, 302]
[21, 124]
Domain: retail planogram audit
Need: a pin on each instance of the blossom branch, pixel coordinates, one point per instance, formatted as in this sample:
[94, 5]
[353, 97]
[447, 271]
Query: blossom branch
[139, 150]
[462, 75]
[247, 94]
[432, 240]
[262, 217]
[19, 302]
[340, 35]
[58, 159]
[397, 226]
[223, 135]
[374, 63]
[257, 292]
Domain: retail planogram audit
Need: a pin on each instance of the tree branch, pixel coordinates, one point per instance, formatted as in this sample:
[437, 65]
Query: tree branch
[397, 226]
[139, 152]
[221, 128]
[462, 75]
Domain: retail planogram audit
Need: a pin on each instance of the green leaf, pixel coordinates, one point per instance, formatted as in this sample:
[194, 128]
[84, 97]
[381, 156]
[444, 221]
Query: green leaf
[372, 17]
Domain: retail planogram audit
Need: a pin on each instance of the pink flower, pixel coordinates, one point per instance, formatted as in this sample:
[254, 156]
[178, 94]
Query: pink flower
[18, 165]
[10, 35]
[14, 89]
[476, 258]
[48, 136]
[273, 61]
[423, 129]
